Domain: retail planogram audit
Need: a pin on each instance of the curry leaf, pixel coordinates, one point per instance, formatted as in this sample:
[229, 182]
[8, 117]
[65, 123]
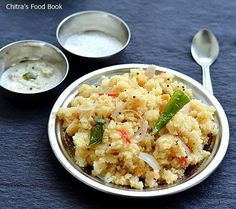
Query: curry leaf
[29, 76]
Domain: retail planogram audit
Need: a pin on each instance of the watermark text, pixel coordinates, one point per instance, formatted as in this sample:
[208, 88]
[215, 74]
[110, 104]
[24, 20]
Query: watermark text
[34, 6]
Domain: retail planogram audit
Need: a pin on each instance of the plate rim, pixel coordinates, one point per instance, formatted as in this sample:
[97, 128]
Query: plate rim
[219, 155]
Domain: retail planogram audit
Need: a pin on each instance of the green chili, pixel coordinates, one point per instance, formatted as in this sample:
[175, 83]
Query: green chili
[99, 121]
[176, 102]
[96, 133]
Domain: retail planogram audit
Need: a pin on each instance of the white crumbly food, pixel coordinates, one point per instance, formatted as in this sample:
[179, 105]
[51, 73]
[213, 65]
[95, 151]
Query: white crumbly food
[125, 102]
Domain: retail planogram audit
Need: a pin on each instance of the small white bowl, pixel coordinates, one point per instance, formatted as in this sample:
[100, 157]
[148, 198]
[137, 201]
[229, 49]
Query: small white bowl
[93, 35]
[19, 52]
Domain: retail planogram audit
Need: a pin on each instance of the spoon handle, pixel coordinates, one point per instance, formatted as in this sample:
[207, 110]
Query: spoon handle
[206, 78]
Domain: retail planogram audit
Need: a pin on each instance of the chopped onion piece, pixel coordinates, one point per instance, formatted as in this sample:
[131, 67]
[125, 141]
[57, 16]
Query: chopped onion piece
[150, 160]
[150, 71]
[186, 149]
[120, 107]
[185, 108]
[135, 112]
[86, 108]
[142, 131]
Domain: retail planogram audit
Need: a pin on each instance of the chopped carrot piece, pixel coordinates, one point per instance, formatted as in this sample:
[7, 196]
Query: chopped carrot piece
[113, 94]
[124, 133]
[109, 94]
[183, 161]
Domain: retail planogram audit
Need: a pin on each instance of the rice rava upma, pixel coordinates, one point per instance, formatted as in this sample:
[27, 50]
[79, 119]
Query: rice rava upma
[139, 129]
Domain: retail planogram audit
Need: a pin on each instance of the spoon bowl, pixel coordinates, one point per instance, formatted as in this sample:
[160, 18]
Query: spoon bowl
[205, 50]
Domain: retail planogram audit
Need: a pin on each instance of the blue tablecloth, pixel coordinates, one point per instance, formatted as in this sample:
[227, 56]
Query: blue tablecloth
[31, 176]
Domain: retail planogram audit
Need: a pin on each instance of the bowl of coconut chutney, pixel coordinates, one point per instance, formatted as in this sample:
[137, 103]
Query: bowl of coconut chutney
[31, 68]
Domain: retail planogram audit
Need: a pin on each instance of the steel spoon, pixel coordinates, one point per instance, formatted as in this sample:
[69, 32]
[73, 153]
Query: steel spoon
[205, 50]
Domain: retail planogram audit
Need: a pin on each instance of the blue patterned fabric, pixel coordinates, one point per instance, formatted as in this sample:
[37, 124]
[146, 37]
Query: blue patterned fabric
[31, 176]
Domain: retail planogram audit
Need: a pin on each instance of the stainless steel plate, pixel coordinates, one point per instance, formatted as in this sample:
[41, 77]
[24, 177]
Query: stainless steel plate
[200, 173]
